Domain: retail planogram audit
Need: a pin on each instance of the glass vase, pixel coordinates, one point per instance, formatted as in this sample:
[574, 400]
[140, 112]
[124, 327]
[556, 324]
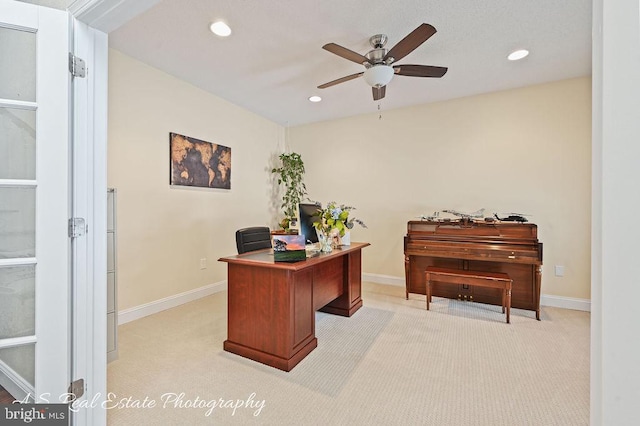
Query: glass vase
[325, 241]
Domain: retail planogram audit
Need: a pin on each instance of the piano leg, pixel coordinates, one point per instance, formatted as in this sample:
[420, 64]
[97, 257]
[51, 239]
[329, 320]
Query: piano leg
[537, 290]
[407, 276]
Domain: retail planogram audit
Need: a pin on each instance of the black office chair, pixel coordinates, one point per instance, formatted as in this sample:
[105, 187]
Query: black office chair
[254, 238]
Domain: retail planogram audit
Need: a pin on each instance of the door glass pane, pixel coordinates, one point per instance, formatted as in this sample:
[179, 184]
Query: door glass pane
[22, 360]
[17, 144]
[17, 301]
[18, 65]
[17, 222]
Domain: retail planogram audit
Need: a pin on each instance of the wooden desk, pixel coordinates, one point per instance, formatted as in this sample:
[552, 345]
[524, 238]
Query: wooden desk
[271, 305]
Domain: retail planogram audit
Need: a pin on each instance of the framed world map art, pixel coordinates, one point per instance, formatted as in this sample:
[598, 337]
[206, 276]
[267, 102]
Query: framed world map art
[199, 163]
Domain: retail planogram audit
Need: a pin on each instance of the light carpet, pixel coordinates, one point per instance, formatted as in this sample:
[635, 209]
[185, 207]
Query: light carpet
[391, 363]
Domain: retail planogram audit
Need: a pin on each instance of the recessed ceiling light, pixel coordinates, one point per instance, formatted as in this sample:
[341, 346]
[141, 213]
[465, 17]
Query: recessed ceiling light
[220, 28]
[315, 98]
[518, 54]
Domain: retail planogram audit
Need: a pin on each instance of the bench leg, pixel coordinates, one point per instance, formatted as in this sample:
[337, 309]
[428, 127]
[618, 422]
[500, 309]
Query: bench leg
[428, 289]
[508, 292]
[504, 300]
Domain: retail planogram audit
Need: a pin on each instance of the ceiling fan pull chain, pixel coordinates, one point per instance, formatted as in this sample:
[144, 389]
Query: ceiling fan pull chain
[379, 113]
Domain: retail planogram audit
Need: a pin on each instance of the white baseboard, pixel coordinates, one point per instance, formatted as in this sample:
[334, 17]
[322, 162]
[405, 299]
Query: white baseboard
[137, 312]
[13, 383]
[383, 279]
[565, 302]
[545, 299]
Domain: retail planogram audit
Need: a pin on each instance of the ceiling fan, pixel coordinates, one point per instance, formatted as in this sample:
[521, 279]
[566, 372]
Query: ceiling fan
[377, 62]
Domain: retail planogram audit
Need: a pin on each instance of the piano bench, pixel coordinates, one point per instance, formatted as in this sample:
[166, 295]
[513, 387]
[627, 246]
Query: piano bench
[476, 278]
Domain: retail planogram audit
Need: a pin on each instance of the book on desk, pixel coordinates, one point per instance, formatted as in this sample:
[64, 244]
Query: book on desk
[289, 248]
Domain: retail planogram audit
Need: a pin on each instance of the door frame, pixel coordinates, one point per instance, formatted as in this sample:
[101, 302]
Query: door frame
[91, 21]
[89, 194]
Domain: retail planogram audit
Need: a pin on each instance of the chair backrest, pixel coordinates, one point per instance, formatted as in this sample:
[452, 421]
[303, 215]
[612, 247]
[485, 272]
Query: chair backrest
[254, 238]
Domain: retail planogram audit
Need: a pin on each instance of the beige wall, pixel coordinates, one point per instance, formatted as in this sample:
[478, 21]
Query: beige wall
[164, 231]
[526, 150]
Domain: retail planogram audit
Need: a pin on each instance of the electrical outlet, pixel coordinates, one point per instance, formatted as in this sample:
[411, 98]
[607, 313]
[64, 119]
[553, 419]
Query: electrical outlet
[559, 271]
[203, 263]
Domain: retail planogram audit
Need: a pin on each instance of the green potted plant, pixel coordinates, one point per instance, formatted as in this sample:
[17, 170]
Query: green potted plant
[291, 175]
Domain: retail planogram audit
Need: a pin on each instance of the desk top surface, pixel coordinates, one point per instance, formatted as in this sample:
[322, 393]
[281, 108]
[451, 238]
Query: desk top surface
[264, 258]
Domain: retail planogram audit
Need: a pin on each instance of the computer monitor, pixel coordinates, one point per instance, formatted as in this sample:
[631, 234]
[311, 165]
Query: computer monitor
[308, 213]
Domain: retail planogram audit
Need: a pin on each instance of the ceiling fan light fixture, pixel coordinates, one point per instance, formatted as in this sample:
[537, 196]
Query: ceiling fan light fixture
[518, 54]
[315, 98]
[221, 29]
[378, 75]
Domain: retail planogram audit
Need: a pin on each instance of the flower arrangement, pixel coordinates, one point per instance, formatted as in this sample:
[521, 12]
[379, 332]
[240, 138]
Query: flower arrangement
[334, 218]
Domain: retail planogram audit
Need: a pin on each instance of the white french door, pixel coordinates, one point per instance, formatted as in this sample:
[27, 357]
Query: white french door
[34, 201]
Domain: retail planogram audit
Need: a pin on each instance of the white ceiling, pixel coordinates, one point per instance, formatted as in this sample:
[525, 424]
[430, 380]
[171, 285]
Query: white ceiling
[274, 60]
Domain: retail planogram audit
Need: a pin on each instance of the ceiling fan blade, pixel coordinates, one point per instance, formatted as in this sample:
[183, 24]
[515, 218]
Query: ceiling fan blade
[345, 53]
[420, 70]
[379, 92]
[411, 42]
[340, 80]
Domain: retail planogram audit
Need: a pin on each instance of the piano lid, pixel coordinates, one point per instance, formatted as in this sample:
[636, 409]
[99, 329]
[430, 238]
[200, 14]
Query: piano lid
[472, 230]
[510, 242]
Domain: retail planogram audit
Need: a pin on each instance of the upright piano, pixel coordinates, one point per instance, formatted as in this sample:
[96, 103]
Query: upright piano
[509, 247]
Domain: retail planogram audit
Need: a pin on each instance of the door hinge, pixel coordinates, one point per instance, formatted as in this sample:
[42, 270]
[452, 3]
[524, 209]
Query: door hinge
[77, 227]
[76, 389]
[77, 67]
